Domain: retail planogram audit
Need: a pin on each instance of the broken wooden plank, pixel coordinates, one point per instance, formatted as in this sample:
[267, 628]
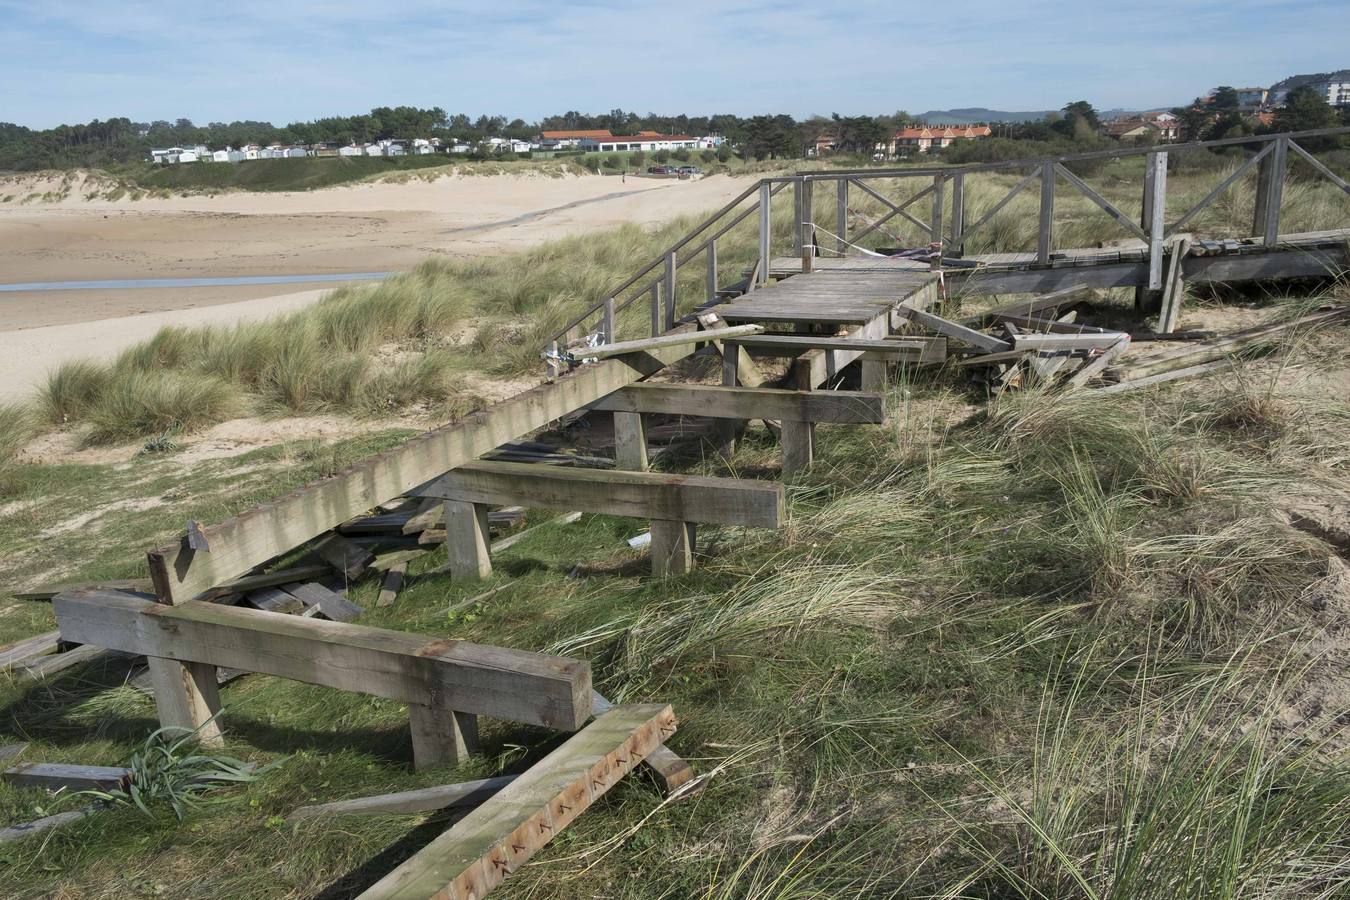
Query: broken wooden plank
[348, 557]
[48, 591]
[29, 648]
[669, 768]
[476, 854]
[954, 330]
[1094, 367]
[37, 826]
[66, 776]
[719, 401]
[531, 688]
[905, 348]
[393, 583]
[262, 580]
[334, 606]
[1033, 306]
[606, 351]
[512, 539]
[419, 800]
[691, 498]
[275, 600]
[1172, 375]
[1061, 342]
[44, 667]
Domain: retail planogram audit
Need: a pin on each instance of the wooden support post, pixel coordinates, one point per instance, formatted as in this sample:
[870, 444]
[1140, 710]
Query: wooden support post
[1174, 288]
[729, 430]
[798, 439]
[874, 374]
[607, 321]
[467, 539]
[1045, 228]
[552, 368]
[798, 213]
[958, 215]
[187, 696]
[441, 736]
[671, 295]
[630, 441]
[935, 224]
[841, 214]
[1270, 192]
[656, 309]
[765, 232]
[1155, 205]
[808, 216]
[672, 547]
[712, 271]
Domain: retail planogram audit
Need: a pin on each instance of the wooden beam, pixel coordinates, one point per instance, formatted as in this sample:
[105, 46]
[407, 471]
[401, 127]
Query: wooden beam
[441, 736]
[24, 650]
[1095, 367]
[58, 776]
[669, 768]
[419, 800]
[334, 606]
[630, 439]
[531, 688]
[467, 537]
[1173, 288]
[1065, 341]
[478, 852]
[955, 330]
[798, 439]
[683, 339]
[268, 531]
[690, 498]
[393, 583]
[719, 401]
[793, 344]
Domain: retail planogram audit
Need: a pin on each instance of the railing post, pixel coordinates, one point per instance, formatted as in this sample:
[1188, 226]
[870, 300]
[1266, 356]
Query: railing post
[607, 320]
[670, 290]
[841, 214]
[551, 366]
[656, 308]
[958, 213]
[712, 271]
[935, 225]
[1270, 193]
[765, 225]
[1046, 226]
[798, 213]
[1155, 208]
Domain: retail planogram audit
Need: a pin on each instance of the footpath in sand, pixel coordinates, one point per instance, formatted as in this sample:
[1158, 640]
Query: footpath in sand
[369, 227]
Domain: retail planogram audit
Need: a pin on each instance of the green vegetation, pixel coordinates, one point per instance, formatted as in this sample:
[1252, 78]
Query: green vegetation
[304, 174]
[1058, 646]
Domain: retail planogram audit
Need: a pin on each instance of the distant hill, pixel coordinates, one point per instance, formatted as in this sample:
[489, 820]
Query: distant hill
[978, 114]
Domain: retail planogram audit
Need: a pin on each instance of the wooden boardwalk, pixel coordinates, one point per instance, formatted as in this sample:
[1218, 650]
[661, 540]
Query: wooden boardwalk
[844, 297]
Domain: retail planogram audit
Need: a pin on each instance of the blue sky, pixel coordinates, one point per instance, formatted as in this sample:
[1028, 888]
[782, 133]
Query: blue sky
[283, 60]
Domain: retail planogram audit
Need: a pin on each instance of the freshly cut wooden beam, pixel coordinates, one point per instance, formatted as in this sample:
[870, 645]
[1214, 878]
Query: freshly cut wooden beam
[645, 495]
[478, 852]
[274, 528]
[954, 330]
[668, 767]
[605, 351]
[56, 776]
[420, 800]
[718, 401]
[531, 688]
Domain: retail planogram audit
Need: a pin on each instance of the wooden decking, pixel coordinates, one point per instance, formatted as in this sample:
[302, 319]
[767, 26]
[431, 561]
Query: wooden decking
[838, 296]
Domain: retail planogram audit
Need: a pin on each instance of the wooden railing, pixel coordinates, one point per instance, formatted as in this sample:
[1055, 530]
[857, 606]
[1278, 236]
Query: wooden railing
[945, 193]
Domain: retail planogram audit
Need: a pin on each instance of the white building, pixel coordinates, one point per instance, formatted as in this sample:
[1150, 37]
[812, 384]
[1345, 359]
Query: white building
[351, 150]
[646, 141]
[373, 150]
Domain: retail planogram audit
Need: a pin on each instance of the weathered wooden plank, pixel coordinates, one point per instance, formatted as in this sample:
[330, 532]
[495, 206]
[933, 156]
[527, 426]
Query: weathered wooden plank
[954, 330]
[672, 547]
[467, 536]
[690, 498]
[1175, 374]
[29, 648]
[1095, 367]
[532, 688]
[607, 351]
[476, 854]
[630, 438]
[37, 826]
[275, 600]
[333, 605]
[48, 591]
[393, 583]
[1065, 341]
[720, 401]
[267, 579]
[419, 800]
[267, 531]
[67, 776]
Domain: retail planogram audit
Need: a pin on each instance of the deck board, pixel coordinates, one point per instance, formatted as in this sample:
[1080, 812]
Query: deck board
[846, 298]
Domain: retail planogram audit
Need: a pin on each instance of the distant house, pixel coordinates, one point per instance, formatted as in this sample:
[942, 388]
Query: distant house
[1152, 127]
[296, 152]
[251, 151]
[820, 145]
[161, 157]
[373, 150]
[458, 147]
[1334, 87]
[422, 147]
[563, 140]
[1250, 99]
[219, 155]
[923, 138]
[325, 150]
[352, 150]
[392, 148]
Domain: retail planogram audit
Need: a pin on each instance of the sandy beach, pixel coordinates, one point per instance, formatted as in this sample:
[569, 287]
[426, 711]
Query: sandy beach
[369, 227]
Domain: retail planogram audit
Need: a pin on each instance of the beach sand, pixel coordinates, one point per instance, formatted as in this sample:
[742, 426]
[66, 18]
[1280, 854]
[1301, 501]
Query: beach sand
[369, 227]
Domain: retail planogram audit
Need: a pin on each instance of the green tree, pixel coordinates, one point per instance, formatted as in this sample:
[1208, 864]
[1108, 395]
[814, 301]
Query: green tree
[1080, 121]
[1223, 98]
[1305, 109]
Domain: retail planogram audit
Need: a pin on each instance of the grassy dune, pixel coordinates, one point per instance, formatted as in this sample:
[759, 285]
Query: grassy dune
[1058, 647]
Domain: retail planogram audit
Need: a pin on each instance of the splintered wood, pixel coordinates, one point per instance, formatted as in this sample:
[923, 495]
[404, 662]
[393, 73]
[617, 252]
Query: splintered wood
[476, 854]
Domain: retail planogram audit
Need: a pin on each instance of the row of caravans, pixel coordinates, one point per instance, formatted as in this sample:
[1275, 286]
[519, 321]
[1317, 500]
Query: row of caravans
[200, 153]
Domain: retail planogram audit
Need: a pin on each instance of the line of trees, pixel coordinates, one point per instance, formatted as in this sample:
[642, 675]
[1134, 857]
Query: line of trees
[1076, 126]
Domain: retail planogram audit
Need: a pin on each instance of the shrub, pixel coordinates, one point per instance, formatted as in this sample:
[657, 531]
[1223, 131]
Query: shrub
[637, 160]
[708, 155]
[724, 153]
[136, 404]
[681, 154]
[612, 162]
[661, 156]
[71, 390]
